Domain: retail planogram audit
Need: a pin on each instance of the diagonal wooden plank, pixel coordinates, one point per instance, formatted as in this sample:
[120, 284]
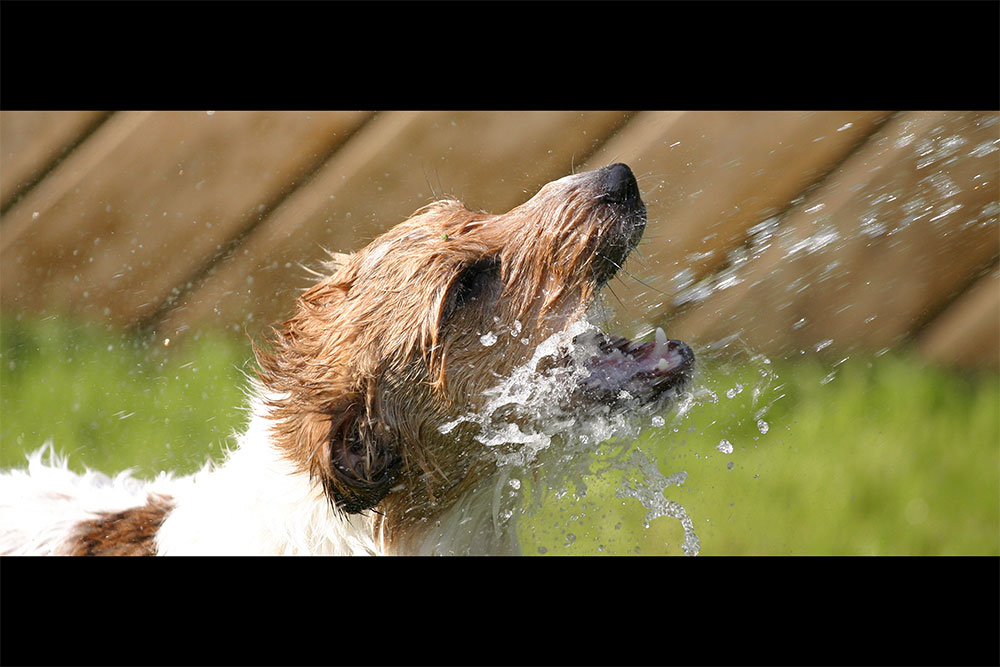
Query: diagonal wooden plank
[23, 217]
[707, 177]
[32, 141]
[149, 199]
[395, 164]
[884, 243]
[967, 333]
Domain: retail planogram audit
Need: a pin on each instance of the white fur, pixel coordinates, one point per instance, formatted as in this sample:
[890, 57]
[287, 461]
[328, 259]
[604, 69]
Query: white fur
[254, 503]
[40, 506]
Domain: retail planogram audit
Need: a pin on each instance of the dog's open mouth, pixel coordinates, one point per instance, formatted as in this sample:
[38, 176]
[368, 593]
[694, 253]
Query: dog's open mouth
[624, 373]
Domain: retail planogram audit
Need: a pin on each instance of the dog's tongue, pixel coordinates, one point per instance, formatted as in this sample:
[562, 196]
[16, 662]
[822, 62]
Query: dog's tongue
[621, 369]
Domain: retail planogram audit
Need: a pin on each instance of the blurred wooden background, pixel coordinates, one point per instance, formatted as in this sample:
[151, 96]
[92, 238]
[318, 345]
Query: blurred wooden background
[794, 232]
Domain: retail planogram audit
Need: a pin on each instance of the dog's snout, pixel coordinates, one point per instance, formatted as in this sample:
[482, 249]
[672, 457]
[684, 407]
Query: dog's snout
[620, 186]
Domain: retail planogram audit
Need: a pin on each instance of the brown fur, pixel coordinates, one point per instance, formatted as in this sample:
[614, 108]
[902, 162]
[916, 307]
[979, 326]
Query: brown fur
[131, 532]
[387, 347]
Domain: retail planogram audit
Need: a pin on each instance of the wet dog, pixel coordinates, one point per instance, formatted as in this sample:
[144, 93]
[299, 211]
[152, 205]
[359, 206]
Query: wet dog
[352, 446]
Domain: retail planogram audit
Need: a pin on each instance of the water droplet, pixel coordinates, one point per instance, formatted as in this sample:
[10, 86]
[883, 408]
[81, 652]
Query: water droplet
[762, 426]
[823, 344]
[984, 148]
[725, 446]
[658, 421]
[488, 339]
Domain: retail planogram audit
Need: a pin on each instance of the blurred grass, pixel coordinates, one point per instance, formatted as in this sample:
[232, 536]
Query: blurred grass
[112, 402]
[884, 456]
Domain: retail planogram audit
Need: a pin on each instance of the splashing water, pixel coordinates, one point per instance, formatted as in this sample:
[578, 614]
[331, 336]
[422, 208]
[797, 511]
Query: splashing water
[535, 433]
[523, 414]
[548, 451]
[650, 492]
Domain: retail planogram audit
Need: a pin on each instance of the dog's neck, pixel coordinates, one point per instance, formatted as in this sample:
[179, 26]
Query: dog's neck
[474, 517]
[474, 525]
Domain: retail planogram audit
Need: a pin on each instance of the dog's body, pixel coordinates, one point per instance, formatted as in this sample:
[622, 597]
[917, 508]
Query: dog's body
[357, 441]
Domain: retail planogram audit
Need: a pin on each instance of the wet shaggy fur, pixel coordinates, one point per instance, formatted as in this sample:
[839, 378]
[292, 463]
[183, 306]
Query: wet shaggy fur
[344, 452]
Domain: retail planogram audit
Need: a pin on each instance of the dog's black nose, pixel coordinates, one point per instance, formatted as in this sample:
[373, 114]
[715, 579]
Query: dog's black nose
[619, 184]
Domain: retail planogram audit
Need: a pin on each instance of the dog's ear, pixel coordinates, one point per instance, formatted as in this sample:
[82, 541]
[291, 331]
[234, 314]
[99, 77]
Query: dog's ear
[325, 430]
[321, 420]
[474, 281]
[360, 463]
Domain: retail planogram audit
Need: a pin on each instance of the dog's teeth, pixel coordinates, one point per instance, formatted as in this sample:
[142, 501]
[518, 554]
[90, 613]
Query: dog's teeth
[661, 337]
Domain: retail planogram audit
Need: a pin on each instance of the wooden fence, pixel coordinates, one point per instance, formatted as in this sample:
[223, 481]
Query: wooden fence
[794, 231]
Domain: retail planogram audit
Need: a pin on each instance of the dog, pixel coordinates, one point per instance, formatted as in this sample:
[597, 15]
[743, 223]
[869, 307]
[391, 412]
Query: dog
[363, 437]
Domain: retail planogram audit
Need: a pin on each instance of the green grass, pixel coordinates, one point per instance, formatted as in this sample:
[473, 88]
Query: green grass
[886, 456]
[113, 402]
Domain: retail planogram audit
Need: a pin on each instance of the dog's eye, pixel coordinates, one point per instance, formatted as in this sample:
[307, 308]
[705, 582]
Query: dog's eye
[476, 282]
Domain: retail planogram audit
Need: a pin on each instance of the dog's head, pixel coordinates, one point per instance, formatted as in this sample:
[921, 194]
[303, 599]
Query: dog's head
[408, 332]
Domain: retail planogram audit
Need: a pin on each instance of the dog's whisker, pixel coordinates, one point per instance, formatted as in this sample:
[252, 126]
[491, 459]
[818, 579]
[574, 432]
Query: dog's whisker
[641, 282]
